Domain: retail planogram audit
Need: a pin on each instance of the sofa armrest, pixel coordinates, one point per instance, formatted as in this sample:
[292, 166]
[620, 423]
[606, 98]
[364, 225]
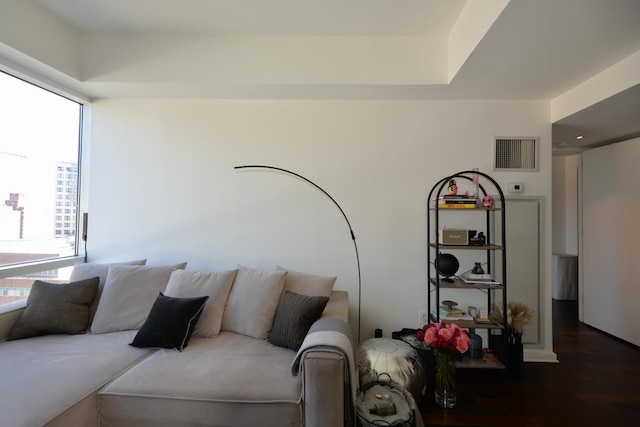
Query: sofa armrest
[323, 388]
[323, 375]
[9, 313]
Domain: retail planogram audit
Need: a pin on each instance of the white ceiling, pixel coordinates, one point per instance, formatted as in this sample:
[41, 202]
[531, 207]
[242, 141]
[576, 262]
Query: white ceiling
[535, 50]
[259, 17]
[614, 119]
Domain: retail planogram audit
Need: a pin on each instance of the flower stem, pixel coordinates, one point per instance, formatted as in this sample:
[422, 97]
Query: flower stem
[445, 377]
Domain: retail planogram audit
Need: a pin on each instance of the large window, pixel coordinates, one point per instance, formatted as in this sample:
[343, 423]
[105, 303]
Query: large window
[39, 180]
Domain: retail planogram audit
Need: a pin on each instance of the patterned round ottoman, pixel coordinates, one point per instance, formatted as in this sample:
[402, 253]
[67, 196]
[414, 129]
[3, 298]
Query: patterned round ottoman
[395, 358]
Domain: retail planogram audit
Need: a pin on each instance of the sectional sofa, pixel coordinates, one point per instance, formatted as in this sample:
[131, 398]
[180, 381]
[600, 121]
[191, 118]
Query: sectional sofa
[137, 345]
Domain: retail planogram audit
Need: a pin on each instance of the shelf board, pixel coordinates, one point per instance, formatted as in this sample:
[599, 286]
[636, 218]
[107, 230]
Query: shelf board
[459, 284]
[467, 362]
[468, 247]
[466, 324]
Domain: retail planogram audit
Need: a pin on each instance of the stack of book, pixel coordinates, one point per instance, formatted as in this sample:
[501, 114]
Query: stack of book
[479, 279]
[457, 201]
[454, 315]
[451, 312]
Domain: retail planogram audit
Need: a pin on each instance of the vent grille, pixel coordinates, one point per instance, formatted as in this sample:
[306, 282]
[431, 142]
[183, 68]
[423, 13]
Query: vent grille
[516, 154]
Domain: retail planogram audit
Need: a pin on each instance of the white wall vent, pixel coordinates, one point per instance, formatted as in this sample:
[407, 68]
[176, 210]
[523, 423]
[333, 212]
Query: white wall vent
[516, 154]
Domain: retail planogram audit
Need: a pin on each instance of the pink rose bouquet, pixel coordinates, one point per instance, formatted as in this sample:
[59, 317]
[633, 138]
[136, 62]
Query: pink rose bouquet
[445, 339]
[445, 336]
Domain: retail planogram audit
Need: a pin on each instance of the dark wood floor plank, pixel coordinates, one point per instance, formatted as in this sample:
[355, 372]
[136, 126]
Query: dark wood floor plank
[595, 383]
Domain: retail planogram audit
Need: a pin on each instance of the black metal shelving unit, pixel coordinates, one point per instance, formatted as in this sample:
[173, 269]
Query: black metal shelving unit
[495, 245]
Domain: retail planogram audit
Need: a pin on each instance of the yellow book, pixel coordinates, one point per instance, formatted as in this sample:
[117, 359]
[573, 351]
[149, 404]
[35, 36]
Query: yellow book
[457, 205]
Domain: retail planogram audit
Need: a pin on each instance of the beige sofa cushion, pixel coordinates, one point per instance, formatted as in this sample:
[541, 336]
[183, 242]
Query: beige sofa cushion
[216, 285]
[129, 292]
[83, 270]
[253, 301]
[308, 284]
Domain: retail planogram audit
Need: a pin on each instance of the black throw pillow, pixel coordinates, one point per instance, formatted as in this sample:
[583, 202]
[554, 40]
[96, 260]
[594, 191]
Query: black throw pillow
[170, 323]
[294, 317]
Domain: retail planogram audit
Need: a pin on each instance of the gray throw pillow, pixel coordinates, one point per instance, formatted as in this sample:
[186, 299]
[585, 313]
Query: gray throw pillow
[294, 317]
[56, 309]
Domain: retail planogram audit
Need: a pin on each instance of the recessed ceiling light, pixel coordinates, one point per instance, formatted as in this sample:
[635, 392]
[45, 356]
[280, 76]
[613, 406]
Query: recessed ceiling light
[579, 137]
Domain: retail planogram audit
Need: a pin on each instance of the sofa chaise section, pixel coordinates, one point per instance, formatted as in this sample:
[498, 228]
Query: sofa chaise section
[53, 380]
[229, 380]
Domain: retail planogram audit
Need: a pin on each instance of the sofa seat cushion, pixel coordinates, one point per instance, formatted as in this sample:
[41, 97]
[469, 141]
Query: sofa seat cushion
[230, 379]
[47, 375]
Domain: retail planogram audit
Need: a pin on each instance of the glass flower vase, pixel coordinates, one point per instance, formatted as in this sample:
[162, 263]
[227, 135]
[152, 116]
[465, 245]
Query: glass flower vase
[445, 378]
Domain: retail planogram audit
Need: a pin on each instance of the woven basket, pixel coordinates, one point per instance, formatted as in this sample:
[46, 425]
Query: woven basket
[403, 400]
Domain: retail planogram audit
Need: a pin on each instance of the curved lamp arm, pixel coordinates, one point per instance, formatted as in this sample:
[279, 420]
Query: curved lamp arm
[353, 236]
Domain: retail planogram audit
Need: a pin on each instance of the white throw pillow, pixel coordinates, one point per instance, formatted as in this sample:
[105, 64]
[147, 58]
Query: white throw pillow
[308, 284]
[252, 302]
[216, 285]
[82, 271]
[128, 295]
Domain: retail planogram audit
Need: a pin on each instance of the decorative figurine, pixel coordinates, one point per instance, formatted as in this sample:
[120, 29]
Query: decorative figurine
[477, 268]
[487, 201]
[453, 187]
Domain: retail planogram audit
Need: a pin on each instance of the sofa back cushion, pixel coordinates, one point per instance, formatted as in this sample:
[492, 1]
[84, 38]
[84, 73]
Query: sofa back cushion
[216, 285]
[308, 284]
[83, 270]
[252, 302]
[129, 293]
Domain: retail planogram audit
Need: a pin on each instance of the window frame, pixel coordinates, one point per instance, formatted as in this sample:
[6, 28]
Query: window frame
[80, 195]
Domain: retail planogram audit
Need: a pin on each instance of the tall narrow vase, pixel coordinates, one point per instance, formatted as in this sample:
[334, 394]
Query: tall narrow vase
[445, 379]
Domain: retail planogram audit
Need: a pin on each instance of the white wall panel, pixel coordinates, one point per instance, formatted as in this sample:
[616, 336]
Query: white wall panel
[610, 236]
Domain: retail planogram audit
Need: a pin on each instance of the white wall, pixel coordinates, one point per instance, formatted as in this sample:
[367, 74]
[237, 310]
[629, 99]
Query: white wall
[610, 236]
[559, 214]
[163, 186]
[565, 204]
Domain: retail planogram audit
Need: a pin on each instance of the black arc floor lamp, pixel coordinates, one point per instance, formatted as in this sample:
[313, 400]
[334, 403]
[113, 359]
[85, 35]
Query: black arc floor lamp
[353, 236]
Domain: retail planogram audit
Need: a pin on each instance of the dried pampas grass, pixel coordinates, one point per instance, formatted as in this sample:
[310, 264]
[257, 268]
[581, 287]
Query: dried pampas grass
[519, 315]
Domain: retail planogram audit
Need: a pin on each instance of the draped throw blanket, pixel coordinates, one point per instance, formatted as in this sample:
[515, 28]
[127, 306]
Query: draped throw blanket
[333, 335]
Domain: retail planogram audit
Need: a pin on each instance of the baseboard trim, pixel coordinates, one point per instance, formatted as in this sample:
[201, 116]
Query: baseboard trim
[536, 355]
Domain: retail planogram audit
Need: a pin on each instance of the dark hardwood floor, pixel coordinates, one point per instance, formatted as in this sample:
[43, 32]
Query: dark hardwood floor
[596, 383]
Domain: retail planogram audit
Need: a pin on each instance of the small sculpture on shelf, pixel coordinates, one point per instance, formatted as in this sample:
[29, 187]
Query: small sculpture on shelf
[477, 268]
[452, 188]
[487, 201]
